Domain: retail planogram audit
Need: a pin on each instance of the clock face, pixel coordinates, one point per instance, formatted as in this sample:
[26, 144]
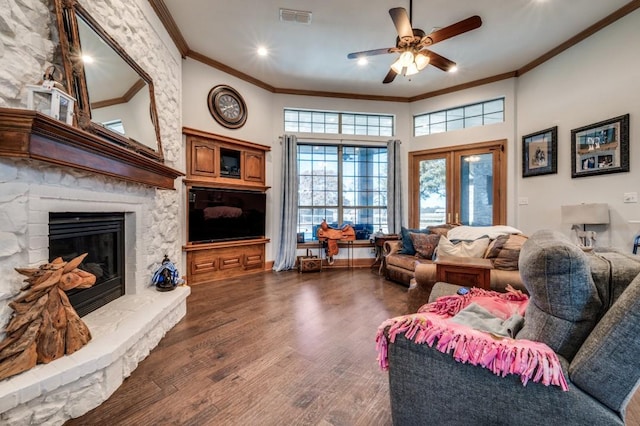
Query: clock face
[227, 107]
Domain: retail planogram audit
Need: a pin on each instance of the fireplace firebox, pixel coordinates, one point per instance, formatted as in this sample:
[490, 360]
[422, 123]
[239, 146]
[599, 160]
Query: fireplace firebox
[101, 235]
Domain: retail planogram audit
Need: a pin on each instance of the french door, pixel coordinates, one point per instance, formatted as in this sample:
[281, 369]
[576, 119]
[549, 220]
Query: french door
[462, 184]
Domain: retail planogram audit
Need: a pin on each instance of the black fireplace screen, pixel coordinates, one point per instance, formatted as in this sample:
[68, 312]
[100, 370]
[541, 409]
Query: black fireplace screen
[101, 235]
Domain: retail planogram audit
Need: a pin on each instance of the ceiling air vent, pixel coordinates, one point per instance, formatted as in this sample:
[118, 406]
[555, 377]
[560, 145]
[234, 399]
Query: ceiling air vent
[299, 16]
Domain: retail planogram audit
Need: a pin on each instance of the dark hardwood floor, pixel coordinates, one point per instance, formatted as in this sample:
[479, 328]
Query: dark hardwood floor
[269, 349]
[273, 348]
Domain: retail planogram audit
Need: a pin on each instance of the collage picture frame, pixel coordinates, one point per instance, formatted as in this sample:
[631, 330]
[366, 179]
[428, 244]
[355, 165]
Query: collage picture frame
[600, 148]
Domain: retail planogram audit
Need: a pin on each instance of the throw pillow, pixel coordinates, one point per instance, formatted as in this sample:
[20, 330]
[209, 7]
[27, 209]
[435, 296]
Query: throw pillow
[441, 229]
[407, 244]
[504, 251]
[425, 244]
[475, 248]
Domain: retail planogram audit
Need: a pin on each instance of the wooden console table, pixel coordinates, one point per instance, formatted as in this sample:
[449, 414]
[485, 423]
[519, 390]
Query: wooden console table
[466, 271]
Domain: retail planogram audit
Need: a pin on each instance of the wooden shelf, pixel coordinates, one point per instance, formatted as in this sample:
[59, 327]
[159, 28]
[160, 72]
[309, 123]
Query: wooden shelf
[30, 134]
[206, 156]
[216, 161]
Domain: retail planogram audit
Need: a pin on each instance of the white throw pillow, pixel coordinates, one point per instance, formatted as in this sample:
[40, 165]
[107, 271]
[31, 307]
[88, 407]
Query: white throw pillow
[475, 248]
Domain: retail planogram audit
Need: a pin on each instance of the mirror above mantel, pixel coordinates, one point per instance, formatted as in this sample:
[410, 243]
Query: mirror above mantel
[115, 96]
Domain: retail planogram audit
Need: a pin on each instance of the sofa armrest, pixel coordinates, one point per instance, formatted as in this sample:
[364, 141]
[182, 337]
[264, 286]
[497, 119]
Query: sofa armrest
[391, 247]
[443, 289]
[429, 387]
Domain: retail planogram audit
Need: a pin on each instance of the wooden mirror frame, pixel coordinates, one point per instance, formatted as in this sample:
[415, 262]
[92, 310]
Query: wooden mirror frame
[66, 17]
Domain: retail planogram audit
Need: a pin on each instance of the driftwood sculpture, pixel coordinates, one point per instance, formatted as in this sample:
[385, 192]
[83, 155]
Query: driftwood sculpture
[332, 236]
[44, 325]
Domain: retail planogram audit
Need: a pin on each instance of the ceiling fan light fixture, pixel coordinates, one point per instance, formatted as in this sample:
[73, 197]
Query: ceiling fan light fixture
[406, 58]
[453, 69]
[422, 61]
[411, 69]
[397, 66]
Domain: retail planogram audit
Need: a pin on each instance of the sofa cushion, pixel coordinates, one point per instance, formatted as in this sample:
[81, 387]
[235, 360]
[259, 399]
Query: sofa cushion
[565, 304]
[475, 248]
[504, 251]
[407, 244]
[442, 229]
[405, 261]
[607, 365]
[425, 244]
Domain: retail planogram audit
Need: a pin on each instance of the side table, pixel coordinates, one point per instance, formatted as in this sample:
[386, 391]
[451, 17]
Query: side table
[465, 271]
[378, 245]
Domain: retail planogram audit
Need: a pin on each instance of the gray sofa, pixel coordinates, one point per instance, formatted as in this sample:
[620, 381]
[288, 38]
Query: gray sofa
[585, 306]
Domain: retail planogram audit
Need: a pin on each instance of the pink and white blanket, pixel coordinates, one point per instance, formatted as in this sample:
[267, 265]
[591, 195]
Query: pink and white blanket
[432, 325]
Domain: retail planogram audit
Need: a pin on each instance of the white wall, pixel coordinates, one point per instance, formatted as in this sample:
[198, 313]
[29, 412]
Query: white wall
[593, 81]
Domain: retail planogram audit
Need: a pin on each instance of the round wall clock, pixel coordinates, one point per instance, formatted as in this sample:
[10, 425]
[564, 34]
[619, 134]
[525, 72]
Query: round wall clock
[227, 106]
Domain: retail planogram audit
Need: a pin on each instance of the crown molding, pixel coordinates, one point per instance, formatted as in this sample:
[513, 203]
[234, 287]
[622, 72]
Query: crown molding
[170, 25]
[173, 30]
[604, 22]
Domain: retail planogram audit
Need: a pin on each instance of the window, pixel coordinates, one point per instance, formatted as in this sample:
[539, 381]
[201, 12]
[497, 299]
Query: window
[479, 114]
[343, 185]
[337, 123]
[115, 125]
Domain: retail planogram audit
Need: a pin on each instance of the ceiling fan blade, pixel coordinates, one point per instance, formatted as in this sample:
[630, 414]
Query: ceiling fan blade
[452, 30]
[358, 55]
[389, 77]
[439, 61]
[401, 20]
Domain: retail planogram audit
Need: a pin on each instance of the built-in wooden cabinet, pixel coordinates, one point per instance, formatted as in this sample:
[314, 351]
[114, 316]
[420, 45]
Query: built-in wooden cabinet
[215, 161]
[215, 261]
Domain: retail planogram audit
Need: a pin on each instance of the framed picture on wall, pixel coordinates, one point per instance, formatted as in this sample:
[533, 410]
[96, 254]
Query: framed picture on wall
[600, 148]
[540, 153]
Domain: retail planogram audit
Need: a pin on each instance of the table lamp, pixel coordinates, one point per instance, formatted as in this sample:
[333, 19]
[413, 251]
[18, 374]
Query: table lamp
[581, 215]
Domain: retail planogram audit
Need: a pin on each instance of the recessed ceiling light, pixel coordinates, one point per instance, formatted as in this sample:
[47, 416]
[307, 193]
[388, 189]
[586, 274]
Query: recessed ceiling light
[362, 62]
[262, 51]
[87, 59]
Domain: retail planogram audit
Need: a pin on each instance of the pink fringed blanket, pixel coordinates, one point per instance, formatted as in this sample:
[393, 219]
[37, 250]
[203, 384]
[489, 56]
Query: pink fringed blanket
[530, 360]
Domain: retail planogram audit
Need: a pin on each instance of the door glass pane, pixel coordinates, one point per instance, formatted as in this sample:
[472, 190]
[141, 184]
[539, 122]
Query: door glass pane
[476, 190]
[433, 192]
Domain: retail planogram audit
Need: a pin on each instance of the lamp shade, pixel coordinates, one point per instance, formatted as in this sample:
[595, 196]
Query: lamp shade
[585, 214]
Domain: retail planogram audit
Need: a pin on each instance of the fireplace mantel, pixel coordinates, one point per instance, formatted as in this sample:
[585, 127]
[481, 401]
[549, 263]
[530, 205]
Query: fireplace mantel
[30, 134]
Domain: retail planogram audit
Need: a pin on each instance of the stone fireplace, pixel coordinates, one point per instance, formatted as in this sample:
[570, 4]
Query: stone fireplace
[124, 330]
[40, 177]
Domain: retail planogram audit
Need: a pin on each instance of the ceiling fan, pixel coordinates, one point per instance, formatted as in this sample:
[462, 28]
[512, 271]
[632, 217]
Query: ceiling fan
[412, 44]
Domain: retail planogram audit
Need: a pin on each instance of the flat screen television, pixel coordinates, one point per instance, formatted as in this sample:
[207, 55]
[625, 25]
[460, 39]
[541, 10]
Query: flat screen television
[217, 214]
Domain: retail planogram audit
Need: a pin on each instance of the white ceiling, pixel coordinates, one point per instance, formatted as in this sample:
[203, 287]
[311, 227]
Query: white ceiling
[314, 56]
